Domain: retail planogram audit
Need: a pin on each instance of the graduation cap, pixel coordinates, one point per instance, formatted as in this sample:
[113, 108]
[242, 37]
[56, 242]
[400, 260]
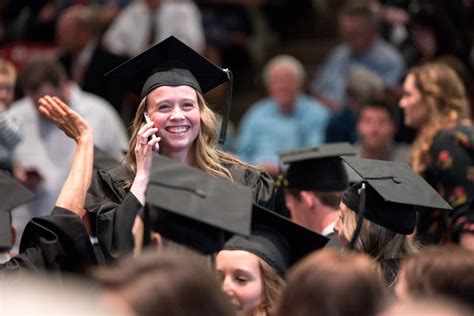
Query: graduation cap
[173, 63]
[390, 194]
[195, 209]
[318, 168]
[12, 194]
[277, 240]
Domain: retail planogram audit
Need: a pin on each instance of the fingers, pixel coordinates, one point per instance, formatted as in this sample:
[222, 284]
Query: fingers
[146, 130]
[54, 109]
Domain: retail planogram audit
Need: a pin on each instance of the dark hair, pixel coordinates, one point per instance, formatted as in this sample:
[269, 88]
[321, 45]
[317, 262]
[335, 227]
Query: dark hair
[360, 9]
[171, 282]
[40, 71]
[332, 283]
[330, 199]
[441, 271]
[382, 103]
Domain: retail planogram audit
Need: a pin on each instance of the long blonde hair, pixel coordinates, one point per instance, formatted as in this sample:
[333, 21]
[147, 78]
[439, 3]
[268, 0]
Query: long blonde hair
[273, 286]
[443, 93]
[206, 154]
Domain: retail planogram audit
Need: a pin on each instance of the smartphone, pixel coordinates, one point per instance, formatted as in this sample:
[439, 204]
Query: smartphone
[156, 148]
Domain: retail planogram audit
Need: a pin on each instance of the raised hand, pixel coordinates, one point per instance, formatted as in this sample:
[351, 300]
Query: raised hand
[58, 112]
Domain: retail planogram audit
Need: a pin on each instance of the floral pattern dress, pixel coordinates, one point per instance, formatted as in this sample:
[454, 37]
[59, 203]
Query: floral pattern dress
[451, 172]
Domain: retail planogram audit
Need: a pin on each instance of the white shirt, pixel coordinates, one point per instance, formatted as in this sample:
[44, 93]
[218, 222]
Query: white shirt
[328, 230]
[130, 31]
[48, 150]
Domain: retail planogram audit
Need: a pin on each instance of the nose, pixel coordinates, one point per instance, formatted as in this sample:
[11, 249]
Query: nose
[177, 114]
[401, 103]
[227, 287]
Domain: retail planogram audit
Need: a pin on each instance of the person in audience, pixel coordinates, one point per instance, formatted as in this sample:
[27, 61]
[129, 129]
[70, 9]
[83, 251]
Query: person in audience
[314, 183]
[287, 119]
[379, 213]
[43, 158]
[82, 56]
[377, 124]
[361, 85]
[333, 283]
[252, 268]
[166, 282]
[58, 242]
[432, 306]
[141, 24]
[10, 134]
[445, 271]
[435, 104]
[362, 45]
[170, 78]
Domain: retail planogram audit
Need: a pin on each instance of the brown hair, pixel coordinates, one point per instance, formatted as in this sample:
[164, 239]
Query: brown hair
[379, 242]
[331, 199]
[441, 271]
[332, 283]
[443, 93]
[273, 286]
[206, 155]
[362, 10]
[42, 70]
[173, 283]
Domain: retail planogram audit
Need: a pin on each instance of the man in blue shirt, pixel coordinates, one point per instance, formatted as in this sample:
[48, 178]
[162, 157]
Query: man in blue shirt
[287, 119]
[362, 46]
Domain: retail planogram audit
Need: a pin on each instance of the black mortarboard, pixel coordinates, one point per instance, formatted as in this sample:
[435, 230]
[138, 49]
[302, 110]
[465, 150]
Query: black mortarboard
[393, 193]
[12, 194]
[173, 63]
[195, 209]
[318, 168]
[277, 240]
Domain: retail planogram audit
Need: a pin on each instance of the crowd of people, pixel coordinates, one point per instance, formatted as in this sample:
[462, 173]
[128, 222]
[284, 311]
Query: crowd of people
[351, 193]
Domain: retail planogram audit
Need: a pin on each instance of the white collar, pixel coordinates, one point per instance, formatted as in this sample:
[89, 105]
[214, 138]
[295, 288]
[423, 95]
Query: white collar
[328, 229]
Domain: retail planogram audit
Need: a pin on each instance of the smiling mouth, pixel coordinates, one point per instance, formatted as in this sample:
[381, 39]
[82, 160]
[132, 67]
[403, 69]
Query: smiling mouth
[177, 129]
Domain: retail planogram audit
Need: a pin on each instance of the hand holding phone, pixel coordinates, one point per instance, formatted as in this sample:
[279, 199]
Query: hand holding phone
[156, 148]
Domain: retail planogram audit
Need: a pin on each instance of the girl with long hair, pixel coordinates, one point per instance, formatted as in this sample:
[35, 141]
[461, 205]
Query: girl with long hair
[435, 104]
[171, 79]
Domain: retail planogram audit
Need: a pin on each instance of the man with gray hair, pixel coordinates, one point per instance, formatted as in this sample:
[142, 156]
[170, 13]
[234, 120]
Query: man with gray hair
[287, 119]
[361, 85]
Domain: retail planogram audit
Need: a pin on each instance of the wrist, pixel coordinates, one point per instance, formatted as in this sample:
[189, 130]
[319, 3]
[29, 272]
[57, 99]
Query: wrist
[85, 138]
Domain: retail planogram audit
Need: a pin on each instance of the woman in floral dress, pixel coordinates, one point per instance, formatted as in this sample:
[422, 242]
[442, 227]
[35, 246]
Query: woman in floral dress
[435, 104]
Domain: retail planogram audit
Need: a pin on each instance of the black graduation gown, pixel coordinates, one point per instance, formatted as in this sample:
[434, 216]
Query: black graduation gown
[55, 243]
[112, 209]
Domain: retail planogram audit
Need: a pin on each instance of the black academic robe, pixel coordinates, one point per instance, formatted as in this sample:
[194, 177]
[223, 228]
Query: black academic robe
[55, 243]
[112, 209]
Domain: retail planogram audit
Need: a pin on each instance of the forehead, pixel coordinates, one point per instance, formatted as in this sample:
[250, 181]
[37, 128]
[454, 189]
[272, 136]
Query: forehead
[237, 259]
[166, 92]
[6, 77]
[373, 110]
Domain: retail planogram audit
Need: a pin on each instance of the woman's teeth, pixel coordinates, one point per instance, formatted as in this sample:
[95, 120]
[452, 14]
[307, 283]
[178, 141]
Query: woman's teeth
[177, 129]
